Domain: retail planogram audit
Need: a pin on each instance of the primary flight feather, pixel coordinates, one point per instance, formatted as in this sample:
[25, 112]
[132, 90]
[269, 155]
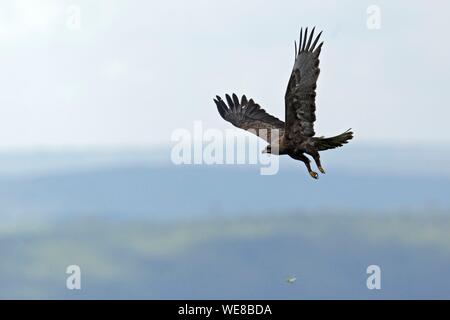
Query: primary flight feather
[296, 136]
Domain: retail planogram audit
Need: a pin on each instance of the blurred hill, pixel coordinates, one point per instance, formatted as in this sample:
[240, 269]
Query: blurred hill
[144, 183]
[232, 258]
[141, 227]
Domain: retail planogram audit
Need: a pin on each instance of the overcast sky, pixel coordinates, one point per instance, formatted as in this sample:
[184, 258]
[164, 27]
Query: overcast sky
[130, 72]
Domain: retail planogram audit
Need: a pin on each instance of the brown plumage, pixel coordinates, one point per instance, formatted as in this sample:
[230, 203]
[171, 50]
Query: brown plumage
[296, 134]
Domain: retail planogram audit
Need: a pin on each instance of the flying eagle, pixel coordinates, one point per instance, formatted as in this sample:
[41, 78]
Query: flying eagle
[295, 135]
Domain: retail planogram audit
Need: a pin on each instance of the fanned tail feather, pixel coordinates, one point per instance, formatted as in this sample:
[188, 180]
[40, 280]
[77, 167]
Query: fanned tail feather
[334, 142]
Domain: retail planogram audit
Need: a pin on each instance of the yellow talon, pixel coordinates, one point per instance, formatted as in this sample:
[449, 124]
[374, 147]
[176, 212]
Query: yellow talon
[314, 174]
[321, 170]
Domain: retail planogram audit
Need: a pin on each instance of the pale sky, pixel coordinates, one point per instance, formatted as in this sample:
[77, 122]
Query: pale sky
[131, 72]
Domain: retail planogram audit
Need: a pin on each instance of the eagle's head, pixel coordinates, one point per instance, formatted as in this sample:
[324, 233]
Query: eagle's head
[276, 147]
[272, 148]
[268, 149]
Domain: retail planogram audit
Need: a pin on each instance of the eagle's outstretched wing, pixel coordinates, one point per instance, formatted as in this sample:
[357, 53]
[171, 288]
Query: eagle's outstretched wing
[248, 115]
[301, 91]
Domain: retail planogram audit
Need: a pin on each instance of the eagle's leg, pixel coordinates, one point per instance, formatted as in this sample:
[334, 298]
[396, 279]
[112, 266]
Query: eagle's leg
[316, 158]
[306, 161]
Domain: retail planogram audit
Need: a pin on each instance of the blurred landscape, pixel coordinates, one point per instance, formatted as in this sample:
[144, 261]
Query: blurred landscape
[140, 227]
[94, 93]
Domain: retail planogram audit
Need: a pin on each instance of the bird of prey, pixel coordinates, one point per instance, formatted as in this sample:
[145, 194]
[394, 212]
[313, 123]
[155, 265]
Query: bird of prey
[296, 136]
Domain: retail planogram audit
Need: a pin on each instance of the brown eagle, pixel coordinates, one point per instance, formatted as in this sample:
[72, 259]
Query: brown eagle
[295, 135]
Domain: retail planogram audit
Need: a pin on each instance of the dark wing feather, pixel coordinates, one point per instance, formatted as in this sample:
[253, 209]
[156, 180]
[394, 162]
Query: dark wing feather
[301, 91]
[248, 115]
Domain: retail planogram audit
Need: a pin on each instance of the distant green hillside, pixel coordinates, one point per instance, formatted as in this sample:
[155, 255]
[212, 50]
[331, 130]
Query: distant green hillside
[231, 258]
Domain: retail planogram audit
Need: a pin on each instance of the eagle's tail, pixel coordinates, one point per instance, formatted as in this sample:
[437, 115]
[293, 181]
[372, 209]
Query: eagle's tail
[334, 142]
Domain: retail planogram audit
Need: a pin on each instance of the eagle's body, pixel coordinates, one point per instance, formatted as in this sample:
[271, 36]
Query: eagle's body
[296, 135]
